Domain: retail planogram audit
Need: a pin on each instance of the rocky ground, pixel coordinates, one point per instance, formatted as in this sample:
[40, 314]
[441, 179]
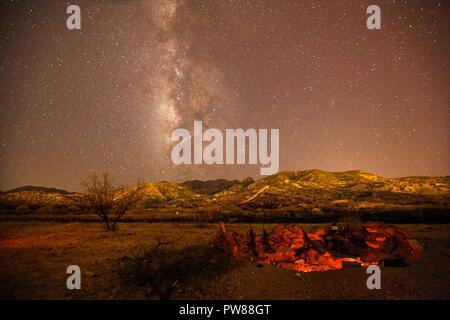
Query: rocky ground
[34, 257]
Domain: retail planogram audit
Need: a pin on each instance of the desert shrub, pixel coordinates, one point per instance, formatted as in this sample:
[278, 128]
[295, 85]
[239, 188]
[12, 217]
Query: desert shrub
[46, 209]
[35, 205]
[215, 215]
[351, 222]
[60, 206]
[73, 208]
[307, 213]
[247, 181]
[263, 203]
[8, 205]
[150, 203]
[23, 208]
[161, 269]
[56, 208]
[291, 214]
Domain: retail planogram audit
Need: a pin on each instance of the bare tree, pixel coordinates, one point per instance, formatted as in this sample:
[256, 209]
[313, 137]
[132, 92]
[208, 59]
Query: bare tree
[110, 203]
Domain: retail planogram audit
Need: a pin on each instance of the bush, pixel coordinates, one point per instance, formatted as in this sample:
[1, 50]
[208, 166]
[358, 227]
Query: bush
[23, 208]
[73, 208]
[8, 205]
[151, 203]
[46, 209]
[247, 181]
[161, 269]
[351, 222]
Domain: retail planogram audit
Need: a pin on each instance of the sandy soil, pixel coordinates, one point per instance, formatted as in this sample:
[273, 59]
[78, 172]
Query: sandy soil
[34, 257]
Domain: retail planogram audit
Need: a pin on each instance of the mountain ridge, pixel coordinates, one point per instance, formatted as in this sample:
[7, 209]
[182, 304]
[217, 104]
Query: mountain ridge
[291, 190]
[31, 188]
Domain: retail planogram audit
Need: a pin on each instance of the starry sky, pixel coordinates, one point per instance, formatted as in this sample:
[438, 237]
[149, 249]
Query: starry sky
[108, 96]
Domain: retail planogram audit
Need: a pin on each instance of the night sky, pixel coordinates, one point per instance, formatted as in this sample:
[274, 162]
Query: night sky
[108, 96]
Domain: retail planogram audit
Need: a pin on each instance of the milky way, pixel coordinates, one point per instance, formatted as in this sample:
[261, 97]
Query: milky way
[182, 89]
[108, 96]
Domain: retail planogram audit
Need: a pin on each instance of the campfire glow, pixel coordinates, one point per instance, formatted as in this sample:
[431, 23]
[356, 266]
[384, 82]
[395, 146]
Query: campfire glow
[293, 248]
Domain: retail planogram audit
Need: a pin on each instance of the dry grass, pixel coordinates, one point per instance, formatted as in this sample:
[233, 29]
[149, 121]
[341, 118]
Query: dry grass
[34, 257]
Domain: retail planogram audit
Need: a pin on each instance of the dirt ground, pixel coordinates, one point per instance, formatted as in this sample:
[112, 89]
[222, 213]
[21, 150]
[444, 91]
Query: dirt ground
[34, 257]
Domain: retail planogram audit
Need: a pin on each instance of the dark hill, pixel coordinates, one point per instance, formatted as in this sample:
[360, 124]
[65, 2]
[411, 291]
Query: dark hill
[37, 189]
[210, 186]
